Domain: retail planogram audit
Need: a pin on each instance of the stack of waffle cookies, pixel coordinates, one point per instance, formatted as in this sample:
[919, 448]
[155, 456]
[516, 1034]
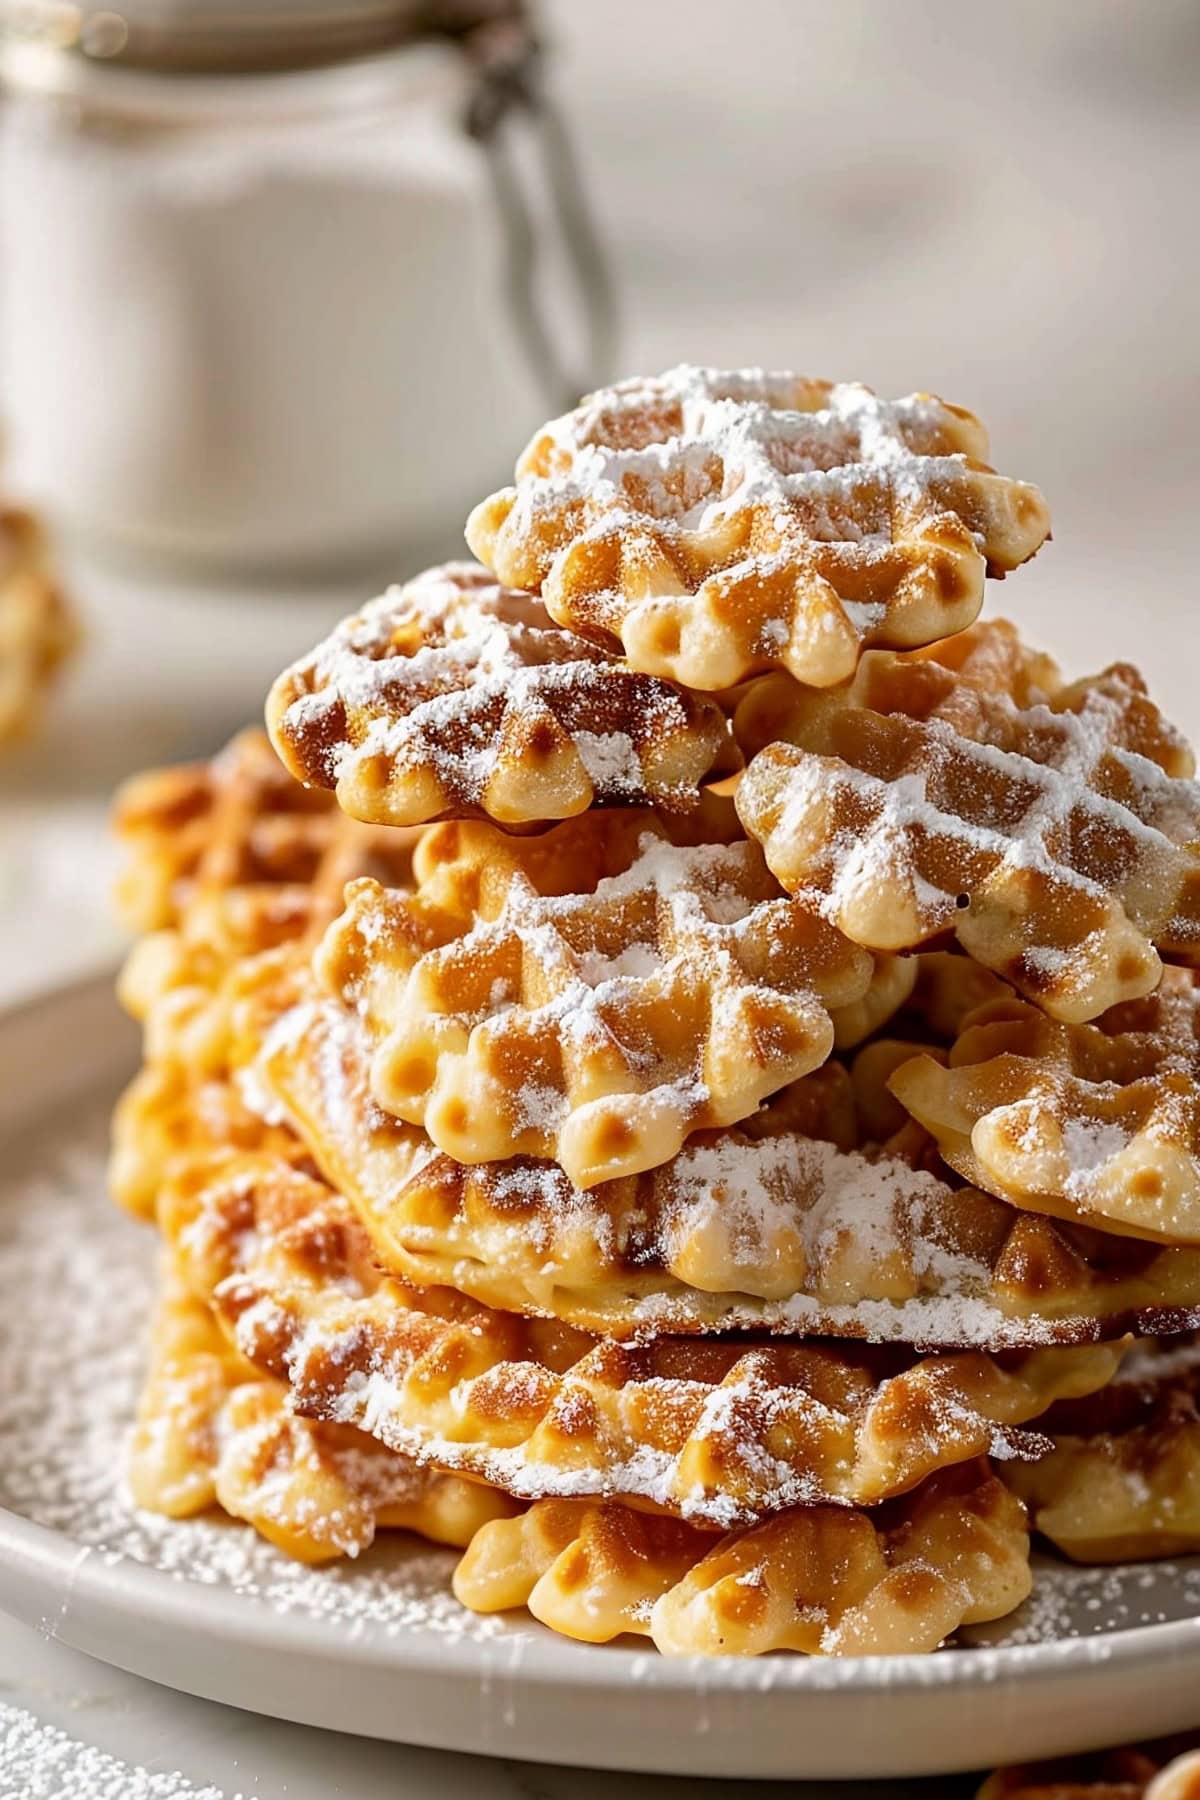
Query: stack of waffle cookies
[677, 1073]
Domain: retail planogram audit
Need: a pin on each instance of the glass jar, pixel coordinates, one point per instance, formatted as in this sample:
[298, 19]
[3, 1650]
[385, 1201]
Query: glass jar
[272, 297]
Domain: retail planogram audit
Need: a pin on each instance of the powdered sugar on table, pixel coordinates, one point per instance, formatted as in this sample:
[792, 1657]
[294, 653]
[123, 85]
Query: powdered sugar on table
[38, 1762]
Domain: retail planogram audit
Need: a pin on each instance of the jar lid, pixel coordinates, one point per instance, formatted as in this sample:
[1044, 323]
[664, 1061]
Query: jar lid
[229, 36]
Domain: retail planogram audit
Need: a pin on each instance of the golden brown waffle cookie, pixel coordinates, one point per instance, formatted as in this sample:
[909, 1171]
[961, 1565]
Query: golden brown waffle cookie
[719, 1432]
[228, 860]
[719, 523]
[1098, 1122]
[1053, 828]
[1167, 1770]
[237, 822]
[240, 851]
[166, 1117]
[185, 991]
[771, 1226]
[232, 870]
[881, 1117]
[825, 1581]
[37, 629]
[1122, 1483]
[204, 1020]
[597, 1024]
[936, 992]
[193, 1369]
[453, 696]
[213, 1431]
[162, 819]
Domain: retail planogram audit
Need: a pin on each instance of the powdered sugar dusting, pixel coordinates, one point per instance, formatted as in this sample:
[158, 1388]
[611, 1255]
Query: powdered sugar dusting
[1166, 1361]
[688, 905]
[455, 677]
[740, 443]
[1081, 1603]
[372, 1402]
[753, 1190]
[1088, 1145]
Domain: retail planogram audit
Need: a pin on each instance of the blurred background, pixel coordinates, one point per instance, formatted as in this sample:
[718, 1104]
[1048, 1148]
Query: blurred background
[278, 301]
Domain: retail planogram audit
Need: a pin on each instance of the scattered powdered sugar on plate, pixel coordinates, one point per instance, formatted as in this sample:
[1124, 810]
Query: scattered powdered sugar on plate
[1070, 1602]
[76, 1281]
[39, 1762]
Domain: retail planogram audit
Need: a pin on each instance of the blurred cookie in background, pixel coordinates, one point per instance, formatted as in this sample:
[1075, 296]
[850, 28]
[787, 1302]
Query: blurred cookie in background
[38, 630]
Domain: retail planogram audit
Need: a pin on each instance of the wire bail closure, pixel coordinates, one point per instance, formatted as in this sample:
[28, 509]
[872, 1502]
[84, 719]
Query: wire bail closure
[507, 63]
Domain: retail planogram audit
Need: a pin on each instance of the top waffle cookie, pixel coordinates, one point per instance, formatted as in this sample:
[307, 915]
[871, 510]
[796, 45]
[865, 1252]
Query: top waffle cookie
[720, 523]
[453, 696]
[1053, 828]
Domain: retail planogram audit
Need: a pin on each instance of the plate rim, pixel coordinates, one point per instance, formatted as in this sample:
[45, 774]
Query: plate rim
[89, 1571]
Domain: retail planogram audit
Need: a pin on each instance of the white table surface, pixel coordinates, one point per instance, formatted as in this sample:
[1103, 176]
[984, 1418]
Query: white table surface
[990, 202]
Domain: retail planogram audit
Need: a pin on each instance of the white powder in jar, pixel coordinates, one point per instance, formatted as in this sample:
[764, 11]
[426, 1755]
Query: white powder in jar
[265, 328]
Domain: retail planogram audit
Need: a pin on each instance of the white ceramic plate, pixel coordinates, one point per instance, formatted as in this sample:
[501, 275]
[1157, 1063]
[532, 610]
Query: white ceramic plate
[380, 1647]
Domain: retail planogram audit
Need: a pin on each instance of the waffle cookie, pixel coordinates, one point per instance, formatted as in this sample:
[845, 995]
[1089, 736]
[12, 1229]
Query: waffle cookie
[596, 1025]
[719, 523]
[1167, 1770]
[780, 1225]
[597, 1015]
[1122, 1483]
[226, 860]
[826, 1581]
[214, 1431]
[1053, 829]
[230, 866]
[238, 846]
[893, 980]
[1097, 1122]
[167, 1117]
[453, 696]
[236, 823]
[682, 1078]
[719, 1432]
[38, 632]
